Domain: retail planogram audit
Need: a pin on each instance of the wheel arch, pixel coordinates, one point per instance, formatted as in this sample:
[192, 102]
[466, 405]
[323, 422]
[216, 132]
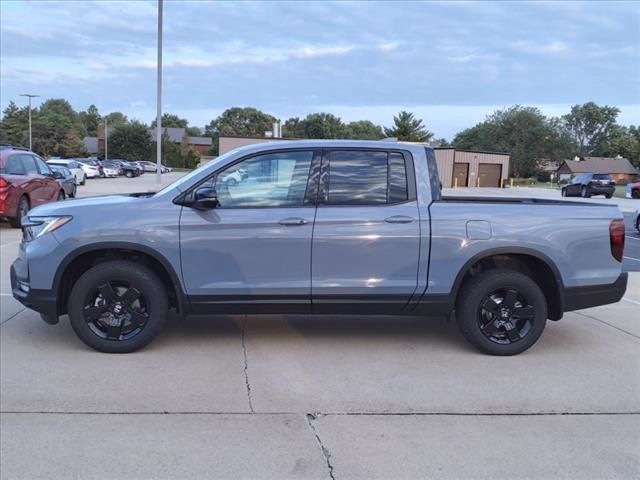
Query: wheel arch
[531, 262]
[83, 258]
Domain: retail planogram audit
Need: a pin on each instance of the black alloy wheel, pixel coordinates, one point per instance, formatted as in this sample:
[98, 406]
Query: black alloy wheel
[21, 212]
[505, 316]
[61, 196]
[118, 306]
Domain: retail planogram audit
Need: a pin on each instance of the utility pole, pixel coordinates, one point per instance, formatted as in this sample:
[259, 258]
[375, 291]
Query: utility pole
[30, 97]
[159, 100]
[106, 150]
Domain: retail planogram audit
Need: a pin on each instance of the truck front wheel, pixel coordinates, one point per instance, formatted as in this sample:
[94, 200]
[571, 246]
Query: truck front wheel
[118, 306]
[501, 312]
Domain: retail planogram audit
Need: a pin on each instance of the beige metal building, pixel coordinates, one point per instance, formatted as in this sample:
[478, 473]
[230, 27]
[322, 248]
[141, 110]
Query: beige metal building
[467, 168]
[457, 168]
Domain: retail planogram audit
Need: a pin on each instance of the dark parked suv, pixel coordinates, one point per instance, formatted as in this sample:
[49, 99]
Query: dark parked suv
[587, 184]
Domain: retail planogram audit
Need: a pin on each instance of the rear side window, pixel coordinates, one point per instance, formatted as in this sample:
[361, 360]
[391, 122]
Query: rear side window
[398, 189]
[14, 166]
[357, 178]
[29, 164]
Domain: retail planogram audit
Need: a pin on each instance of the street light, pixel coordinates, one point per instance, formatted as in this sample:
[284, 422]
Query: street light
[106, 154]
[159, 100]
[30, 97]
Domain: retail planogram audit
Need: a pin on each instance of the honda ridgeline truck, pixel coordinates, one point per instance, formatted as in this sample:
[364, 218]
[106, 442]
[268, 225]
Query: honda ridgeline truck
[317, 227]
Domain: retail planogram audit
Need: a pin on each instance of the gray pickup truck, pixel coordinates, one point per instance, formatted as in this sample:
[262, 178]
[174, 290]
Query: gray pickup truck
[317, 227]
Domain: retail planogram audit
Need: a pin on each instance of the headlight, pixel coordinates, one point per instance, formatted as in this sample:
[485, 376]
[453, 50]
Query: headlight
[34, 227]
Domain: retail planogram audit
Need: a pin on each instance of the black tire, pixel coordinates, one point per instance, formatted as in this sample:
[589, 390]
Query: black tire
[128, 174]
[488, 330]
[23, 209]
[232, 182]
[107, 289]
[73, 191]
[609, 195]
[584, 192]
[84, 180]
[635, 194]
[563, 192]
[61, 196]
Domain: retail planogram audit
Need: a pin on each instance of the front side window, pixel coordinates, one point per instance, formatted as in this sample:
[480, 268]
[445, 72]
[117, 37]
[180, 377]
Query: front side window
[43, 168]
[277, 179]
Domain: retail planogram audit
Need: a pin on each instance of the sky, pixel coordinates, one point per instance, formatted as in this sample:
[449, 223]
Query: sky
[452, 63]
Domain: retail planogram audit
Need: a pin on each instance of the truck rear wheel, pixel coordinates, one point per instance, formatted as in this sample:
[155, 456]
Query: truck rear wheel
[501, 312]
[118, 306]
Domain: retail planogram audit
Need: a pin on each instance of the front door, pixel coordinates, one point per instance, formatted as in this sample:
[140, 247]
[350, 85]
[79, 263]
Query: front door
[367, 234]
[253, 252]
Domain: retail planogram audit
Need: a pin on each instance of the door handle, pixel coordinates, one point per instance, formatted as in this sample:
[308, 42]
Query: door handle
[293, 222]
[399, 219]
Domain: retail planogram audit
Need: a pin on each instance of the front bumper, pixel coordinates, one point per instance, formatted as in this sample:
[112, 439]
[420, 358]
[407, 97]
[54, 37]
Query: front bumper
[45, 302]
[577, 298]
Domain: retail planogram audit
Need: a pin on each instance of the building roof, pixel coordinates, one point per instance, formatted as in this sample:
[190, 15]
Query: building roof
[91, 144]
[175, 134]
[600, 164]
[200, 141]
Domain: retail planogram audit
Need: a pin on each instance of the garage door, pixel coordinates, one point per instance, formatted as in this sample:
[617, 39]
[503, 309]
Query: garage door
[489, 174]
[461, 173]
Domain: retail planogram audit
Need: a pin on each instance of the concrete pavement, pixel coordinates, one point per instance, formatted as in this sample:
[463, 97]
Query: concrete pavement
[319, 397]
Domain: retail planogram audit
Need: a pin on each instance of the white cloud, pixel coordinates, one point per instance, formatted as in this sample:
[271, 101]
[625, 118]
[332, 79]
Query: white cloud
[550, 48]
[389, 46]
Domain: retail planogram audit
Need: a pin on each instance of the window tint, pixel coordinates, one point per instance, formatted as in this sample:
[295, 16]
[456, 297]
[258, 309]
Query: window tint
[29, 164]
[271, 180]
[398, 191]
[357, 178]
[43, 168]
[14, 166]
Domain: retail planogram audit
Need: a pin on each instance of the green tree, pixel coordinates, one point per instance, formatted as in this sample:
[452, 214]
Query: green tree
[194, 131]
[522, 131]
[407, 128]
[171, 120]
[130, 141]
[51, 124]
[625, 141]
[245, 122]
[14, 126]
[116, 119]
[591, 126]
[90, 120]
[293, 128]
[72, 145]
[323, 125]
[363, 130]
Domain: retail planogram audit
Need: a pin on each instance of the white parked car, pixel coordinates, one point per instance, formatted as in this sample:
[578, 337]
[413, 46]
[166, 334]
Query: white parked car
[75, 167]
[90, 170]
[109, 172]
[235, 177]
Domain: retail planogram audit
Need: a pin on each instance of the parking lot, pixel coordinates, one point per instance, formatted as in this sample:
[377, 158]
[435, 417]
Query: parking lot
[320, 397]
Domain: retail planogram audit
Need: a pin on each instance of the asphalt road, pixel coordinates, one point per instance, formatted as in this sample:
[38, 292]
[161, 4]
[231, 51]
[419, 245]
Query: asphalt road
[255, 397]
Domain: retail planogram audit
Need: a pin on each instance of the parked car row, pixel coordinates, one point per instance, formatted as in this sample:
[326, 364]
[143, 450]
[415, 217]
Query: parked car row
[27, 181]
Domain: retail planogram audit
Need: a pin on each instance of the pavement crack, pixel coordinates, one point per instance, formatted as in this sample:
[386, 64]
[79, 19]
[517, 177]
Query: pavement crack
[325, 452]
[608, 324]
[13, 316]
[246, 365]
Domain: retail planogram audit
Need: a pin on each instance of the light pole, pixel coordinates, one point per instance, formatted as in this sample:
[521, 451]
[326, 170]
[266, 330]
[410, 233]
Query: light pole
[30, 97]
[106, 151]
[159, 100]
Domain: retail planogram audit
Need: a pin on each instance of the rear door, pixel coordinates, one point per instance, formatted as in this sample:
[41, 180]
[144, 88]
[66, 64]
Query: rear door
[34, 184]
[366, 236]
[253, 251]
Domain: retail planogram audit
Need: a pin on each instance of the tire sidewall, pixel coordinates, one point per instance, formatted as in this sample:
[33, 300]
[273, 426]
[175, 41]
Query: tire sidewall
[143, 279]
[474, 292]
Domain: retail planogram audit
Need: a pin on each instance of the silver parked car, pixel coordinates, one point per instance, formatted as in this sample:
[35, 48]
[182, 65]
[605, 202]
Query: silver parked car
[65, 178]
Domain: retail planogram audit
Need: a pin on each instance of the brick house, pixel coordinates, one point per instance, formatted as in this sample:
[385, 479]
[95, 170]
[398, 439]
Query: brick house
[619, 168]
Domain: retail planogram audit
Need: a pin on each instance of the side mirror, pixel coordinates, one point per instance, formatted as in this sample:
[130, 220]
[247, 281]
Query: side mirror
[57, 175]
[205, 198]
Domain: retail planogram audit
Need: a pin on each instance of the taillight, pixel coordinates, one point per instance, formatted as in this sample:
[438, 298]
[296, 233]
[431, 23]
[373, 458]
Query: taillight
[616, 238]
[3, 183]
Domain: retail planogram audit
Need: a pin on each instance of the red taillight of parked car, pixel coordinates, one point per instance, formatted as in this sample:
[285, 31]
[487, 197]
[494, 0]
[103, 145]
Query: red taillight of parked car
[3, 183]
[616, 238]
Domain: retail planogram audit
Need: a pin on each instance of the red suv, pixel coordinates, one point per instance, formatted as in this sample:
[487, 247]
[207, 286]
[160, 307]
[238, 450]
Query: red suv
[26, 181]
